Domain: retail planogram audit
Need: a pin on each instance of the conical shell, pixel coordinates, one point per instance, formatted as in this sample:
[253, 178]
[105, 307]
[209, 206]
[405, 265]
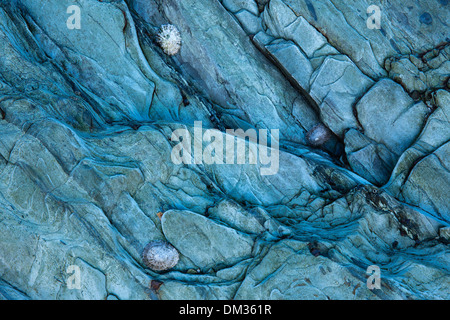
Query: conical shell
[318, 135]
[160, 255]
[169, 39]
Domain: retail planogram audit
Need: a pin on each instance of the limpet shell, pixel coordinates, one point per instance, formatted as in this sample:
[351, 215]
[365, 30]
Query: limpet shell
[318, 135]
[169, 39]
[160, 255]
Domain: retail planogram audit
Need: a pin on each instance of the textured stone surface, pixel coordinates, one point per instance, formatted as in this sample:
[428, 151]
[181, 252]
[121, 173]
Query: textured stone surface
[335, 86]
[205, 243]
[399, 118]
[422, 72]
[87, 177]
[426, 185]
[286, 53]
[368, 158]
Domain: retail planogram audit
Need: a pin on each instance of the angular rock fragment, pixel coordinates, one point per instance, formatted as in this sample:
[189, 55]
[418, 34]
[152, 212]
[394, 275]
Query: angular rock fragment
[206, 243]
[336, 86]
[368, 158]
[389, 115]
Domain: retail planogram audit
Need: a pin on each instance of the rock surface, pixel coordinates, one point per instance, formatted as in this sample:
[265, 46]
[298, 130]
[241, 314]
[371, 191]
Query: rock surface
[88, 176]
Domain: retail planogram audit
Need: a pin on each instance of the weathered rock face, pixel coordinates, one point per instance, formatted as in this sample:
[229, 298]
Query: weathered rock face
[88, 175]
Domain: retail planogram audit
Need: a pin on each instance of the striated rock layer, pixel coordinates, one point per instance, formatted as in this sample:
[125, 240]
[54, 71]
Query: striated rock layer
[88, 175]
